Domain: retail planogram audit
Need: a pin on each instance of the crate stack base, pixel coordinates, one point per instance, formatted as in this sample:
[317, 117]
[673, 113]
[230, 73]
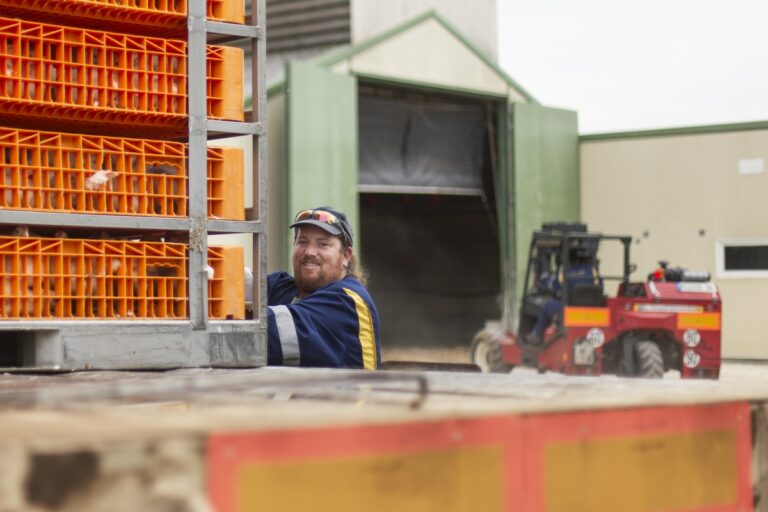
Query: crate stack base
[137, 344]
[77, 304]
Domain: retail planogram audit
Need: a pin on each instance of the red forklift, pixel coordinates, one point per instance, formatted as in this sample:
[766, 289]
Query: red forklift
[670, 321]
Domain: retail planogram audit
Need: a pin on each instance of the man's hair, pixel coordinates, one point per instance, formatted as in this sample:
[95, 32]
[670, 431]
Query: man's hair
[355, 268]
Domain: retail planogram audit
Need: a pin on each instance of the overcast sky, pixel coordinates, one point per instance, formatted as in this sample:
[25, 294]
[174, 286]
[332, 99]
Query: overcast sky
[628, 65]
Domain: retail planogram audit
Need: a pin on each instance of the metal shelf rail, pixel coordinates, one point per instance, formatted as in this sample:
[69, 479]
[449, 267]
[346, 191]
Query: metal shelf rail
[199, 126]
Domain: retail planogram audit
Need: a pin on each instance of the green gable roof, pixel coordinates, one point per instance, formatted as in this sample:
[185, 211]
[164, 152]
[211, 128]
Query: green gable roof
[669, 132]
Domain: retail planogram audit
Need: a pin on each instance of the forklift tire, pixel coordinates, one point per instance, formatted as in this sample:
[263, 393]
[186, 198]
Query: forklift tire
[485, 352]
[650, 364]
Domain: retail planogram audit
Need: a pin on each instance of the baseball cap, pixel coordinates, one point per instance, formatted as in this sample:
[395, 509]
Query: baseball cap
[325, 217]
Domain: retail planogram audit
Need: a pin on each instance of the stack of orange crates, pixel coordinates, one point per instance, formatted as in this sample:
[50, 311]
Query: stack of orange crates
[96, 92]
[60, 172]
[159, 18]
[62, 278]
[104, 81]
[47, 278]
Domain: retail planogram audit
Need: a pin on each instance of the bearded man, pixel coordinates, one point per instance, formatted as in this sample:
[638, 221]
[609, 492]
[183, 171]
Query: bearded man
[323, 314]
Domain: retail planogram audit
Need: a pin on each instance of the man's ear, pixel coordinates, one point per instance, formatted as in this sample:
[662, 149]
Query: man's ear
[347, 253]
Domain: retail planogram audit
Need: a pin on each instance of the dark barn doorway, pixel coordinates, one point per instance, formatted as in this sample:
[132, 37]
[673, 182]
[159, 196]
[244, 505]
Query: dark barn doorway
[429, 227]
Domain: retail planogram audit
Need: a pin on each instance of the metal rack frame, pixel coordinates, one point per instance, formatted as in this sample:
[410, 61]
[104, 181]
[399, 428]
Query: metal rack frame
[146, 344]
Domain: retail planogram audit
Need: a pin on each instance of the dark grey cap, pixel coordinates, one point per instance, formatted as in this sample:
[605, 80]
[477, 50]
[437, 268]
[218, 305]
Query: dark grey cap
[341, 228]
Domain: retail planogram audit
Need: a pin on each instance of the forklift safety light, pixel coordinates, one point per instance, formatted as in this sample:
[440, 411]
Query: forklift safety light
[596, 337]
[691, 337]
[691, 359]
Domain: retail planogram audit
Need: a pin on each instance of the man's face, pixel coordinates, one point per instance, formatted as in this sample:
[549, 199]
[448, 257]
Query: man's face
[318, 259]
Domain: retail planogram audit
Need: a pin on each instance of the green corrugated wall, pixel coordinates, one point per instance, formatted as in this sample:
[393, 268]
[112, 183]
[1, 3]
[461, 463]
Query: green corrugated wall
[545, 155]
[322, 141]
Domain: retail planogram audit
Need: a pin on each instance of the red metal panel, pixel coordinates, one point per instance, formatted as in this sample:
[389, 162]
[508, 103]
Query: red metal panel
[525, 439]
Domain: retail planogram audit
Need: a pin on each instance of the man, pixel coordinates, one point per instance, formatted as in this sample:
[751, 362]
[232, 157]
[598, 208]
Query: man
[581, 270]
[323, 315]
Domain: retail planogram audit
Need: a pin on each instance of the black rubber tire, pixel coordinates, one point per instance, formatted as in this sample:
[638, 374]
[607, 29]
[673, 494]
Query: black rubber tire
[485, 352]
[650, 363]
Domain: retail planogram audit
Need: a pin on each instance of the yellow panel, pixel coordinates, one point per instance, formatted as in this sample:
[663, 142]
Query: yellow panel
[461, 480]
[587, 317]
[649, 473]
[700, 321]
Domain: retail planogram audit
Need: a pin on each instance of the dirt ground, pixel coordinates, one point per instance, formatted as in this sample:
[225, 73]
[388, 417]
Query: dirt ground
[426, 354]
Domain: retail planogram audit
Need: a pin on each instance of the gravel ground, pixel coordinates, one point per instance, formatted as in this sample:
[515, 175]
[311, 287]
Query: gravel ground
[732, 370]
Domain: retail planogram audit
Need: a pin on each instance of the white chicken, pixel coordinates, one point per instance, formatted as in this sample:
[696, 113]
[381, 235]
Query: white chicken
[98, 179]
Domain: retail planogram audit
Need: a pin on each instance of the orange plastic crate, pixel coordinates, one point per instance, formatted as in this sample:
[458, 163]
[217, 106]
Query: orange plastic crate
[166, 18]
[46, 171]
[226, 289]
[55, 278]
[45, 278]
[98, 82]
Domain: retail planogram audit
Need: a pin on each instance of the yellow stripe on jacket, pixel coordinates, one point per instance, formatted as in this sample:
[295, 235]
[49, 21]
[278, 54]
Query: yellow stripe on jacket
[367, 337]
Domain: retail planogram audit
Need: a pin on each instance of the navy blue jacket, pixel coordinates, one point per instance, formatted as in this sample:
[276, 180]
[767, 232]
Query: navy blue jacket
[335, 326]
[577, 273]
[581, 273]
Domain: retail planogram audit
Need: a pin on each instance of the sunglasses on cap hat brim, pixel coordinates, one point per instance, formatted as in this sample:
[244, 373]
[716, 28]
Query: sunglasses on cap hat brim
[325, 220]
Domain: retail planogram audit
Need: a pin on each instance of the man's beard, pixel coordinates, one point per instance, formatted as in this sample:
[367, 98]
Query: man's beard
[307, 285]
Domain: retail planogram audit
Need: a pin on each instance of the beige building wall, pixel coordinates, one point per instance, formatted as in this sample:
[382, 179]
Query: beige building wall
[681, 196]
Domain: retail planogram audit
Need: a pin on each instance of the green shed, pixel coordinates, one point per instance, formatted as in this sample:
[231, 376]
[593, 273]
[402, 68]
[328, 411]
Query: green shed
[441, 160]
